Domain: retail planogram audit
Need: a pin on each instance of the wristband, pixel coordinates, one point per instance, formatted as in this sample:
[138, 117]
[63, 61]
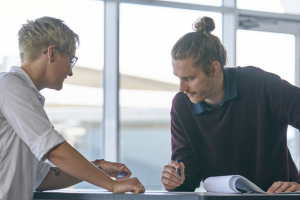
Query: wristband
[98, 166]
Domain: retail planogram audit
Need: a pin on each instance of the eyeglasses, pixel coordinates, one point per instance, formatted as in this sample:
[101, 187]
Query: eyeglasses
[72, 61]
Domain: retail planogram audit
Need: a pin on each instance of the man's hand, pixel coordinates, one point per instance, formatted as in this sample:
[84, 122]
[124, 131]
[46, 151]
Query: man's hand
[113, 169]
[128, 185]
[169, 177]
[281, 186]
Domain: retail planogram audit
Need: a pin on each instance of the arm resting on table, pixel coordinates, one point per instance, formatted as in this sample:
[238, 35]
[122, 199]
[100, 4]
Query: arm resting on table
[57, 179]
[71, 162]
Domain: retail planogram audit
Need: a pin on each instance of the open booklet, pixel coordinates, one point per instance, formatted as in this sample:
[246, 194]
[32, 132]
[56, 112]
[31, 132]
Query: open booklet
[232, 184]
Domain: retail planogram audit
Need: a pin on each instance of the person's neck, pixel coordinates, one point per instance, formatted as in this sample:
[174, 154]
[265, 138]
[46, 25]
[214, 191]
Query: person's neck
[36, 72]
[218, 93]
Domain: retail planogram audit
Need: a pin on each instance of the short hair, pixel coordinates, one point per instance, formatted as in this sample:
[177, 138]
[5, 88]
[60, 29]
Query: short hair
[201, 45]
[36, 35]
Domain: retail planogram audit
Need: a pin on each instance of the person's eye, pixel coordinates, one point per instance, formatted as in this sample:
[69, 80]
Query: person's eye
[187, 79]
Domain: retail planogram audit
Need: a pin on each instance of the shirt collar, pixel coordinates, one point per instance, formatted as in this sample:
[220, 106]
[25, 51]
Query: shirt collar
[19, 70]
[230, 93]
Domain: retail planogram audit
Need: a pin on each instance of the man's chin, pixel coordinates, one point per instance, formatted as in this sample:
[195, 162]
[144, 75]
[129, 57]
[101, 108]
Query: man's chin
[194, 100]
[58, 88]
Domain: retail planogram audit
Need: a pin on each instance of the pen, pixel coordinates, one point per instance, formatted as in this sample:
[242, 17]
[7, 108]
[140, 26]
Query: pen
[121, 175]
[178, 171]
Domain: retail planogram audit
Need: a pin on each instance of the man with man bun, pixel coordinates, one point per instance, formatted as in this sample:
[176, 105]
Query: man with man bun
[47, 50]
[228, 121]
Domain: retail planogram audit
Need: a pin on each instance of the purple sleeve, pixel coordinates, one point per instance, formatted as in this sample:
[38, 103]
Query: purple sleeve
[283, 99]
[182, 152]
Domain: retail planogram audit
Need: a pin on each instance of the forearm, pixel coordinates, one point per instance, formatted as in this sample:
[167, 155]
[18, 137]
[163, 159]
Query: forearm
[66, 158]
[57, 179]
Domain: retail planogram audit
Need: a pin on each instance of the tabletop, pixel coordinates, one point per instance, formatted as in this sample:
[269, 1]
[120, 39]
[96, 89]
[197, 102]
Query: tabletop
[84, 194]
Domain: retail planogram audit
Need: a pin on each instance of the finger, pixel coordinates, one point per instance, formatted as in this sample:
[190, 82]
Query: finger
[182, 167]
[170, 187]
[122, 169]
[139, 188]
[171, 170]
[123, 172]
[291, 189]
[142, 189]
[274, 187]
[283, 187]
[172, 176]
[169, 183]
[174, 164]
[126, 170]
[126, 176]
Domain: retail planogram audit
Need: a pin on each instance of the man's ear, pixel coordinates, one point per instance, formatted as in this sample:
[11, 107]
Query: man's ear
[51, 54]
[215, 68]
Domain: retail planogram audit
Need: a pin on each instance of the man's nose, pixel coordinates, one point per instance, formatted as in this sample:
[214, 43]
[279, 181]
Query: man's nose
[71, 73]
[183, 86]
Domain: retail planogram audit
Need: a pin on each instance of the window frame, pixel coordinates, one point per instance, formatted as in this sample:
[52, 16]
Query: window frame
[231, 23]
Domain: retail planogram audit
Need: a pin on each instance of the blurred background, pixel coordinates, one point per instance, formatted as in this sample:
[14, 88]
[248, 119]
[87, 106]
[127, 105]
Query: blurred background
[117, 104]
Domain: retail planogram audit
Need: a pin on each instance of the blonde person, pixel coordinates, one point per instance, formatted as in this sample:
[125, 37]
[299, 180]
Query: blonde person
[47, 50]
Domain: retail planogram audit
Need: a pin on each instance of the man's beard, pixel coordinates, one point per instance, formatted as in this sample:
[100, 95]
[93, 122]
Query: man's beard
[202, 94]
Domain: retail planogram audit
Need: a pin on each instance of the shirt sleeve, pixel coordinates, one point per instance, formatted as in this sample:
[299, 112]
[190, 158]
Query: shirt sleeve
[182, 152]
[42, 171]
[26, 115]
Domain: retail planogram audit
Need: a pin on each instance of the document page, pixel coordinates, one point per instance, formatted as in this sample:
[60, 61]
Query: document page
[233, 184]
[220, 184]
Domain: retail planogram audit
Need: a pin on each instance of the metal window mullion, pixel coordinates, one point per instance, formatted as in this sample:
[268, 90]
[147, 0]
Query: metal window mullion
[229, 6]
[297, 82]
[230, 24]
[111, 81]
[180, 5]
[278, 16]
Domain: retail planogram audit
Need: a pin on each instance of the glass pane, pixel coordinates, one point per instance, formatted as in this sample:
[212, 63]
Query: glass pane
[261, 5]
[248, 53]
[276, 6]
[202, 2]
[76, 110]
[291, 6]
[147, 35]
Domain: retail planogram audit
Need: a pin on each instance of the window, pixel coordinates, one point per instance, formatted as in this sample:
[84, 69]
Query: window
[260, 51]
[275, 6]
[202, 2]
[147, 84]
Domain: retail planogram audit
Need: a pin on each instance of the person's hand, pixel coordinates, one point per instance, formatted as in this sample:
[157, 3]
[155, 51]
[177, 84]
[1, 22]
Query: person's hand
[113, 169]
[128, 185]
[169, 177]
[281, 186]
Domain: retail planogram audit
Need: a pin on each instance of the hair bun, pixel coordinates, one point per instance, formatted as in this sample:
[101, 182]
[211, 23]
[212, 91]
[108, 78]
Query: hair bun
[204, 25]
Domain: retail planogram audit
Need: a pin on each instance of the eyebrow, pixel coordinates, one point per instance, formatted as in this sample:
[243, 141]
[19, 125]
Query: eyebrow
[189, 76]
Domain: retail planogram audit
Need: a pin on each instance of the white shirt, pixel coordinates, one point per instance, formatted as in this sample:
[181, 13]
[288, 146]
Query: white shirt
[26, 135]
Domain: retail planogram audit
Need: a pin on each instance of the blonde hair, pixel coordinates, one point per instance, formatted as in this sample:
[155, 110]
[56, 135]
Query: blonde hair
[201, 45]
[36, 35]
